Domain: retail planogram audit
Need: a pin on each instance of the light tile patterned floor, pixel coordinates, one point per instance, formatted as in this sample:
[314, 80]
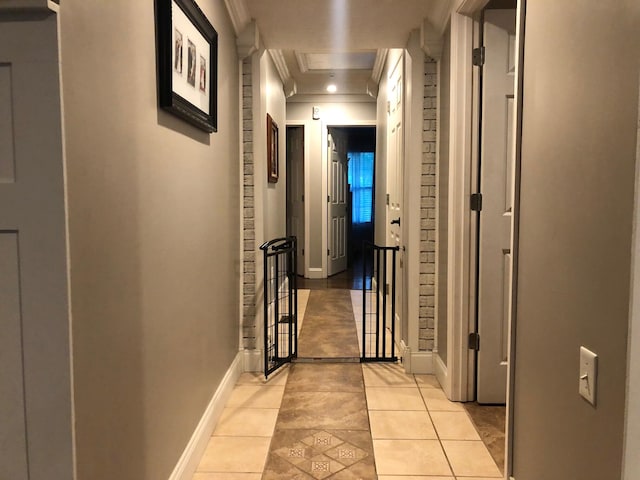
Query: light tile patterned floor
[417, 432]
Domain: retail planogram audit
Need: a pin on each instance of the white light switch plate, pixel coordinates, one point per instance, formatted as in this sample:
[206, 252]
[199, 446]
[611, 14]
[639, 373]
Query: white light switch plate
[588, 375]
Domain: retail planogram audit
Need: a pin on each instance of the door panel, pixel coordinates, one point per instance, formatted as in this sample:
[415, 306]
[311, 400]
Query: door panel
[35, 386]
[338, 208]
[13, 442]
[395, 182]
[497, 157]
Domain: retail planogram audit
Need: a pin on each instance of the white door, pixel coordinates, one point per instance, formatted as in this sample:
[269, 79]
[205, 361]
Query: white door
[338, 211]
[295, 191]
[35, 387]
[395, 183]
[496, 177]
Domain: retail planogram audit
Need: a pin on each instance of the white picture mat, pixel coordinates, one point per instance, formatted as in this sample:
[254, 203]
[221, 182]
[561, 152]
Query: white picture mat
[181, 86]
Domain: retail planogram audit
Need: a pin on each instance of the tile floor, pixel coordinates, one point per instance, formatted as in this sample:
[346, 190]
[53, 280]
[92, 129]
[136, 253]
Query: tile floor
[416, 432]
[345, 422]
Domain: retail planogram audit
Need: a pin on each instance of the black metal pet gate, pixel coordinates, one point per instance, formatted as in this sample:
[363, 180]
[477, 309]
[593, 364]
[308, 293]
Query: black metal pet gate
[379, 304]
[280, 303]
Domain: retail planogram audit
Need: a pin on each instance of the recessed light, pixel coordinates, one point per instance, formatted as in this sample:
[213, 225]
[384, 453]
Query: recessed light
[332, 88]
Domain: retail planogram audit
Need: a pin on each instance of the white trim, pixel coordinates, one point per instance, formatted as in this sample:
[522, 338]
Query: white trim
[441, 15]
[241, 195]
[238, 13]
[378, 65]
[281, 65]
[188, 462]
[512, 323]
[248, 41]
[315, 272]
[303, 65]
[253, 360]
[441, 372]
[459, 218]
[421, 362]
[431, 40]
[324, 138]
[470, 7]
[413, 105]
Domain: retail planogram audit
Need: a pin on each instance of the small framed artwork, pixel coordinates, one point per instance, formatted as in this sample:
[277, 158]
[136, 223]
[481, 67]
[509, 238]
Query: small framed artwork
[187, 48]
[272, 150]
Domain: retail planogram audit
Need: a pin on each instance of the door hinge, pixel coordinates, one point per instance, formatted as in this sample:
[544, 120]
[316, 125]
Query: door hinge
[387, 199]
[328, 253]
[303, 252]
[328, 199]
[478, 56]
[474, 341]
[303, 198]
[476, 202]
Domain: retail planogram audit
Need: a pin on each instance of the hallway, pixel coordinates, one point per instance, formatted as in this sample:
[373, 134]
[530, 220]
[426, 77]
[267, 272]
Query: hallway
[317, 420]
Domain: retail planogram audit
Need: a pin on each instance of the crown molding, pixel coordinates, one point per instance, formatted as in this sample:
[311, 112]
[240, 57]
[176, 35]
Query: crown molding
[378, 65]
[239, 14]
[470, 7]
[303, 64]
[248, 41]
[431, 40]
[442, 14]
[281, 65]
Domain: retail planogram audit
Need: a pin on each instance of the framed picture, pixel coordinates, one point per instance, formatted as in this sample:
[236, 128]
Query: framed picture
[187, 48]
[272, 150]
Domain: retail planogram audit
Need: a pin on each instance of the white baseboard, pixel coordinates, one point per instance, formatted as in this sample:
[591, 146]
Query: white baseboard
[253, 360]
[421, 362]
[416, 362]
[316, 273]
[190, 458]
[441, 374]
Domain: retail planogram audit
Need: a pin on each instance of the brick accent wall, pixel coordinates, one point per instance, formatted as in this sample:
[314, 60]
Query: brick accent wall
[428, 195]
[248, 231]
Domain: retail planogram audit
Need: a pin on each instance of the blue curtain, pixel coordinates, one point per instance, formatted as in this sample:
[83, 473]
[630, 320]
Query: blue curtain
[361, 184]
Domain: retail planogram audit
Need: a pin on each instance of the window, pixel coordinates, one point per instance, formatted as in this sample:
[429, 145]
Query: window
[361, 184]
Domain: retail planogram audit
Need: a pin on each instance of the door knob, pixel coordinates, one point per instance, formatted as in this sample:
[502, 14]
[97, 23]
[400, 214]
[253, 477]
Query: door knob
[396, 221]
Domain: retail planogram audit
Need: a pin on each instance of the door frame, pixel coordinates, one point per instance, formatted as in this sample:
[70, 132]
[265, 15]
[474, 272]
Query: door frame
[305, 131]
[305, 180]
[458, 376]
[324, 138]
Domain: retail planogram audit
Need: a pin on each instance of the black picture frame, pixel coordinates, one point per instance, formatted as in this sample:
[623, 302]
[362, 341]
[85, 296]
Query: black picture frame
[187, 49]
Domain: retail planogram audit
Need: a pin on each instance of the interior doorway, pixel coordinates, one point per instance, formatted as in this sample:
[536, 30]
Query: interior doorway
[295, 191]
[496, 163]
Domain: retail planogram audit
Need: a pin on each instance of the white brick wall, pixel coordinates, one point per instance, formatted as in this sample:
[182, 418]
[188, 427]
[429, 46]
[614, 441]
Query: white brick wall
[428, 208]
[249, 233]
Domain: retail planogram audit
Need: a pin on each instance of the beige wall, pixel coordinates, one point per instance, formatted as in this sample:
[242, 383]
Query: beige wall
[332, 114]
[577, 191]
[153, 207]
[276, 193]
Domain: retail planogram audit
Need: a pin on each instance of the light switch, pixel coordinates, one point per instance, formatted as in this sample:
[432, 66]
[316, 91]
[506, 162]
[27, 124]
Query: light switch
[588, 375]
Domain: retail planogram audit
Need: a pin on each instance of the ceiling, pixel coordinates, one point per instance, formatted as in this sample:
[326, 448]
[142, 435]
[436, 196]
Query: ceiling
[337, 41]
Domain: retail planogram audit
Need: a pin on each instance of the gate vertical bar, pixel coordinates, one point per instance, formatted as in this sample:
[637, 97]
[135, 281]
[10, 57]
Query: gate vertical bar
[365, 249]
[266, 312]
[276, 307]
[393, 303]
